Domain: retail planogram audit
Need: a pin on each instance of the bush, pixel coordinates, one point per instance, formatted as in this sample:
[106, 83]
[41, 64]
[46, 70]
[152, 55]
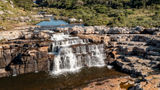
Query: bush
[26, 4]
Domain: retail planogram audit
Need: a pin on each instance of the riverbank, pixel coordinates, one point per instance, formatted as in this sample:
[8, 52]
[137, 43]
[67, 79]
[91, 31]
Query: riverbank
[134, 51]
[126, 83]
[71, 56]
[42, 80]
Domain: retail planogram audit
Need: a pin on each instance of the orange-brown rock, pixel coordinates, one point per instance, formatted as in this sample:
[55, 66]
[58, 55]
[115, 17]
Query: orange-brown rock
[96, 38]
[44, 49]
[152, 83]
[126, 83]
[122, 83]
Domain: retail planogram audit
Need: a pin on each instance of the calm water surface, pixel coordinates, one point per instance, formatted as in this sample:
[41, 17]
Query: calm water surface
[44, 81]
[57, 23]
[52, 22]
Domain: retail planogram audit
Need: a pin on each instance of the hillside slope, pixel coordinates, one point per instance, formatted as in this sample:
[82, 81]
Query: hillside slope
[12, 15]
[122, 13]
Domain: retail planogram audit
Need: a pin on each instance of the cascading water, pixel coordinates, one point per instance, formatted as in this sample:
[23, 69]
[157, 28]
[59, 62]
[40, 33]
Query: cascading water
[65, 61]
[14, 72]
[36, 66]
[97, 58]
[71, 59]
[49, 64]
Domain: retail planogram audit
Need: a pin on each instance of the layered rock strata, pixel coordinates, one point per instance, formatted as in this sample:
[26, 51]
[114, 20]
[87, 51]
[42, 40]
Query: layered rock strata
[132, 50]
[135, 51]
[27, 54]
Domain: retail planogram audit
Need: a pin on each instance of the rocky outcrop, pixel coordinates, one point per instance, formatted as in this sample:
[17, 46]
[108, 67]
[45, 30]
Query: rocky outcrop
[27, 50]
[150, 83]
[27, 54]
[122, 83]
[136, 50]
[109, 30]
[16, 33]
[126, 83]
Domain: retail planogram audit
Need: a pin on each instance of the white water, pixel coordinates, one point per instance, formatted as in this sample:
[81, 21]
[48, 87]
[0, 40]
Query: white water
[49, 64]
[36, 66]
[14, 72]
[96, 59]
[66, 60]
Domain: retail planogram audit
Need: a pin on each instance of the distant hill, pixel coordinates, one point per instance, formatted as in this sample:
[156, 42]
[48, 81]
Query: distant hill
[11, 12]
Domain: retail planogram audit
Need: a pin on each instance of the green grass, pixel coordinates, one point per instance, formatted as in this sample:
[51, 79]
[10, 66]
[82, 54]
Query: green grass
[92, 14]
[7, 18]
[112, 17]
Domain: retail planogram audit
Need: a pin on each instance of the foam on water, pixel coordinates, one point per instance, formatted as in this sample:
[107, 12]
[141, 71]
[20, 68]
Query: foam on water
[66, 60]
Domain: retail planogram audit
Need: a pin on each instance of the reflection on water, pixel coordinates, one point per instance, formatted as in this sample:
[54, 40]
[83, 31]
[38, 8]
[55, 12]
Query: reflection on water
[44, 81]
[52, 22]
[56, 23]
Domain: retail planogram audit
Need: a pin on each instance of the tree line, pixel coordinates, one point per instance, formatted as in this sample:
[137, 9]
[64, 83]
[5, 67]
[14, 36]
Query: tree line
[115, 4]
[102, 12]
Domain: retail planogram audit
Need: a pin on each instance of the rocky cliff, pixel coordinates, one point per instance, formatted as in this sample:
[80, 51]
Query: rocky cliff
[28, 52]
[135, 51]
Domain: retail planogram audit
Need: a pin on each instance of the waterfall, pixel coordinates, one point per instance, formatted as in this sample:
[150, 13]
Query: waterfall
[65, 61]
[14, 72]
[72, 59]
[96, 59]
[49, 64]
[35, 66]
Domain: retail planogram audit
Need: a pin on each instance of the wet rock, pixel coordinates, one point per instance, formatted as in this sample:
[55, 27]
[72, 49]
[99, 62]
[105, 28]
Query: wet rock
[74, 33]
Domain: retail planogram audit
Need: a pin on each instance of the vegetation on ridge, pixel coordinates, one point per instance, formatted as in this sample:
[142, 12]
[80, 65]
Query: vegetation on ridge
[107, 12]
[11, 11]
[93, 12]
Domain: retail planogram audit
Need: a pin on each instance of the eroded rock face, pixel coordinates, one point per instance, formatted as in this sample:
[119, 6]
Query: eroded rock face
[108, 30]
[32, 50]
[24, 58]
[137, 49]
[27, 54]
